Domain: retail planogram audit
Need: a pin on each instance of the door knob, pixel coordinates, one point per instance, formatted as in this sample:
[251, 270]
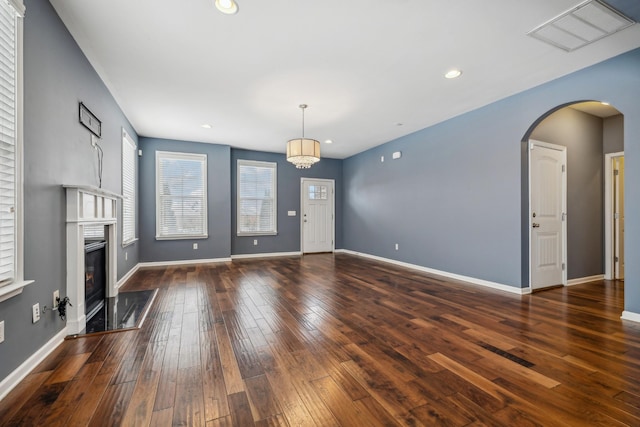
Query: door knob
[536, 225]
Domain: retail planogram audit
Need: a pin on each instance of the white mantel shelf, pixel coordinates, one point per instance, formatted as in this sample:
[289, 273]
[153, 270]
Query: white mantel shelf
[94, 190]
[88, 205]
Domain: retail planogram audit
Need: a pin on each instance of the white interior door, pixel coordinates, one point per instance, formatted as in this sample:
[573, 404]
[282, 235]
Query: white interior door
[317, 215]
[547, 190]
[618, 217]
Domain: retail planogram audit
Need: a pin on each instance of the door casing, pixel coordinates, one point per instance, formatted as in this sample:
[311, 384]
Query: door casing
[331, 183]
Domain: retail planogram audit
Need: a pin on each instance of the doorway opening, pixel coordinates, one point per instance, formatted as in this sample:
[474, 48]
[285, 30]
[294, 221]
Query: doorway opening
[591, 132]
[614, 216]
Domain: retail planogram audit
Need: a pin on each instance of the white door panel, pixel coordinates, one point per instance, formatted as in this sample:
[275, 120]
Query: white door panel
[317, 215]
[547, 215]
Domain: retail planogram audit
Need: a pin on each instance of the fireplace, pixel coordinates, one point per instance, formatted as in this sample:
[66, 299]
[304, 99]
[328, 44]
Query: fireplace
[95, 276]
[90, 209]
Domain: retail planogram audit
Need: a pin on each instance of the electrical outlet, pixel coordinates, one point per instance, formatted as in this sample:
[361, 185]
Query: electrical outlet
[35, 312]
[255, 242]
[195, 246]
[126, 256]
[56, 295]
[2, 331]
[396, 246]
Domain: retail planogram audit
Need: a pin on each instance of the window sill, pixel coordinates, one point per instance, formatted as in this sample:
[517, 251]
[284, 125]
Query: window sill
[186, 237]
[13, 289]
[129, 243]
[255, 233]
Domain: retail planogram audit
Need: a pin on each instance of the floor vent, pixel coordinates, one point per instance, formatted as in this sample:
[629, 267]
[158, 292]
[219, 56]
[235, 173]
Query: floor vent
[586, 23]
[507, 355]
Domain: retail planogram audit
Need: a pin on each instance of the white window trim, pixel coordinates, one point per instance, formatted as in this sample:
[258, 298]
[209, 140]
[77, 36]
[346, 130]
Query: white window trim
[256, 163]
[131, 149]
[15, 287]
[186, 156]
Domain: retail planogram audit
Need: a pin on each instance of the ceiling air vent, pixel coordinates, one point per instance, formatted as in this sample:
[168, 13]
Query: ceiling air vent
[586, 23]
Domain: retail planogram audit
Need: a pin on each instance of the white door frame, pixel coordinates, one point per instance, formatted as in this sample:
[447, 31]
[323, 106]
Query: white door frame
[608, 214]
[333, 211]
[530, 144]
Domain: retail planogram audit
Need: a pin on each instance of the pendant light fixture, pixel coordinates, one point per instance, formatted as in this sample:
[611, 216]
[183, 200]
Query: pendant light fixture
[303, 152]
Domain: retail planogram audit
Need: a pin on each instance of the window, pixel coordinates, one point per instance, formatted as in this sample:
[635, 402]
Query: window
[11, 274]
[181, 195]
[128, 189]
[318, 192]
[256, 198]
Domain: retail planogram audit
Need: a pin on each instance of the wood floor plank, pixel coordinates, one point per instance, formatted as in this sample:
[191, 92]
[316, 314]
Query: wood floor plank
[231, 371]
[188, 409]
[240, 410]
[343, 408]
[15, 400]
[113, 405]
[335, 340]
[68, 368]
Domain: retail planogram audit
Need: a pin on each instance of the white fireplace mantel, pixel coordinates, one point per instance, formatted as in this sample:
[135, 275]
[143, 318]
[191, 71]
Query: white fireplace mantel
[88, 206]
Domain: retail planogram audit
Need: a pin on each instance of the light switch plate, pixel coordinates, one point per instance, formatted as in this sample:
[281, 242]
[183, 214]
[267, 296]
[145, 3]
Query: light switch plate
[2, 331]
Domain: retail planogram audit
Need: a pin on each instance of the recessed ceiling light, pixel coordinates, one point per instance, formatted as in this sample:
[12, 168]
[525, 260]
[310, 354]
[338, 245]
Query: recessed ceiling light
[206, 126]
[328, 141]
[228, 7]
[399, 124]
[452, 74]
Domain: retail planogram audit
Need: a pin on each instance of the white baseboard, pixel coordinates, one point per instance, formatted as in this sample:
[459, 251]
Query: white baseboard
[475, 281]
[183, 262]
[265, 255]
[581, 280]
[14, 378]
[630, 315]
[127, 276]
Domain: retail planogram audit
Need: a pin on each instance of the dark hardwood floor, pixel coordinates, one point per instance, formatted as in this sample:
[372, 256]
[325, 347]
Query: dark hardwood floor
[343, 341]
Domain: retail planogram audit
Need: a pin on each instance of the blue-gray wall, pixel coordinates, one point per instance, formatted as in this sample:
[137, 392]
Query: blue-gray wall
[288, 238]
[613, 130]
[57, 151]
[218, 244]
[454, 201]
[223, 241]
[582, 134]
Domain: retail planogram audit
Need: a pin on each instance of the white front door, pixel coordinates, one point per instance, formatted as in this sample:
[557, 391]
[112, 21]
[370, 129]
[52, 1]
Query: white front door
[618, 217]
[547, 220]
[317, 215]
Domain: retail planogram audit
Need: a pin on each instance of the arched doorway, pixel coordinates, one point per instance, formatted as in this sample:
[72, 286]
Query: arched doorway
[589, 130]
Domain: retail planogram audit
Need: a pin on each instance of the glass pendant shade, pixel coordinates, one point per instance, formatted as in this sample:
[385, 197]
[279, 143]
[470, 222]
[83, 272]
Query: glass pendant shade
[303, 152]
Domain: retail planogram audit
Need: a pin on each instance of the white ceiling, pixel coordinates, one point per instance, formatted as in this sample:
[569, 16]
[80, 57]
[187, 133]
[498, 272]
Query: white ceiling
[370, 70]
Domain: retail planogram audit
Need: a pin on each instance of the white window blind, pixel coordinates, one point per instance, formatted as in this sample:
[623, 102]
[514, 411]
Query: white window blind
[128, 189]
[9, 49]
[181, 195]
[256, 210]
